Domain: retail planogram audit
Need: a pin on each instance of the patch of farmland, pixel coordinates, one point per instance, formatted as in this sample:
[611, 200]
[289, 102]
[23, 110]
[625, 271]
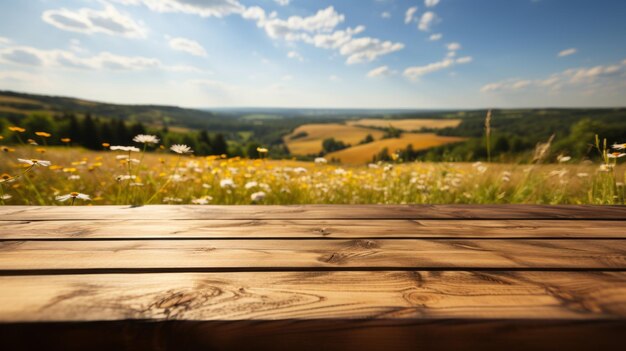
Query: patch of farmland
[311, 143]
[406, 124]
[361, 154]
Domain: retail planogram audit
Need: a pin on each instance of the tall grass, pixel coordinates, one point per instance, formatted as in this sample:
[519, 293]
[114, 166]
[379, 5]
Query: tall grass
[182, 179]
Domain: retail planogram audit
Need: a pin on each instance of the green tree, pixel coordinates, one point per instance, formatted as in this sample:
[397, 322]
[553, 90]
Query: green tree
[90, 134]
[330, 144]
[220, 147]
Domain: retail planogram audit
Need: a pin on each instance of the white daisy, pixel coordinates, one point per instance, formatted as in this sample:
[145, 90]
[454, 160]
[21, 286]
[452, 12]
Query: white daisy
[227, 183]
[119, 178]
[181, 149]
[34, 162]
[202, 201]
[619, 146]
[320, 160]
[258, 196]
[563, 159]
[73, 195]
[146, 139]
[124, 148]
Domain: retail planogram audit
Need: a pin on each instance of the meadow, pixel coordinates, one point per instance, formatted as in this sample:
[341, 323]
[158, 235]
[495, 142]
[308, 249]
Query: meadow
[35, 175]
[308, 139]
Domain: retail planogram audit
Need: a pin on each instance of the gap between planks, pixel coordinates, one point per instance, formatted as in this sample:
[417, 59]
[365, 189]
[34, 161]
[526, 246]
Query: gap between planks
[305, 229]
[246, 212]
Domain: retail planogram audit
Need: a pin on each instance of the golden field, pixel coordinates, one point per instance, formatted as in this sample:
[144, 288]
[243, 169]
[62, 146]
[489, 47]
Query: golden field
[361, 154]
[113, 177]
[316, 133]
[408, 125]
[355, 131]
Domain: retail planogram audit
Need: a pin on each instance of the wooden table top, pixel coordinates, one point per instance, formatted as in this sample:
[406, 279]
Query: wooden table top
[316, 277]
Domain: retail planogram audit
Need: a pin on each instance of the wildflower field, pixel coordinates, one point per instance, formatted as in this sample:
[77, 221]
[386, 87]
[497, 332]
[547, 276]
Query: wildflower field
[36, 175]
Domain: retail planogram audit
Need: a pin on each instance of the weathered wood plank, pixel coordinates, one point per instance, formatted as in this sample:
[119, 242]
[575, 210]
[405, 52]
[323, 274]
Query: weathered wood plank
[319, 334]
[315, 295]
[314, 212]
[325, 254]
[304, 228]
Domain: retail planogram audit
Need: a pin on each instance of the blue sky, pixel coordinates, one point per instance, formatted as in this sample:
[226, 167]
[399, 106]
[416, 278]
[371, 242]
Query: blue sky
[319, 53]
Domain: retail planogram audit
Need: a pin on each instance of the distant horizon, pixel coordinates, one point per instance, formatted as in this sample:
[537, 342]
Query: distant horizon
[372, 109]
[372, 54]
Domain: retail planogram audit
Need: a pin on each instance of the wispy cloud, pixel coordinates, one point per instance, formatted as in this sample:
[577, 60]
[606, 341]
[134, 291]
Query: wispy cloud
[577, 77]
[209, 8]
[417, 71]
[453, 46]
[89, 21]
[29, 56]
[282, 2]
[427, 20]
[431, 3]
[381, 71]
[435, 37]
[187, 45]
[410, 14]
[567, 52]
[295, 56]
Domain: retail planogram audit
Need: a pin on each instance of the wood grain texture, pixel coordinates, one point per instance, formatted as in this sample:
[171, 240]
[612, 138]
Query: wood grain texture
[314, 212]
[315, 295]
[516, 277]
[319, 254]
[307, 229]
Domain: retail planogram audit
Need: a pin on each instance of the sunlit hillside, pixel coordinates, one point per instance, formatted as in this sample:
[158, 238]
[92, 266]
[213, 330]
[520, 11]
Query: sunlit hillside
[362, 154]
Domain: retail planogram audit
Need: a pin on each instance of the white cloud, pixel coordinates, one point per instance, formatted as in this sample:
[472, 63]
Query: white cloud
[367, 49]
[282, 2]
[410, 13]
[319, 30]
[295, 55]
[29, 56]
[385, 15]
[431, 3]
[435, 37]
[454, 46]
[381, 71]
[334, 78]
[335, 39]
[428, 19]
[5, 41]
[464, 59]
[417, 71]
[204, 8]
[567, 52]
[88, 21]
[187, 45]
[294, 27]
[572, 78]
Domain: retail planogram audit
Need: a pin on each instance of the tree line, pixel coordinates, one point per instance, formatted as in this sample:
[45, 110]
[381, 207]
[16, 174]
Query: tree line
[98, 133]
